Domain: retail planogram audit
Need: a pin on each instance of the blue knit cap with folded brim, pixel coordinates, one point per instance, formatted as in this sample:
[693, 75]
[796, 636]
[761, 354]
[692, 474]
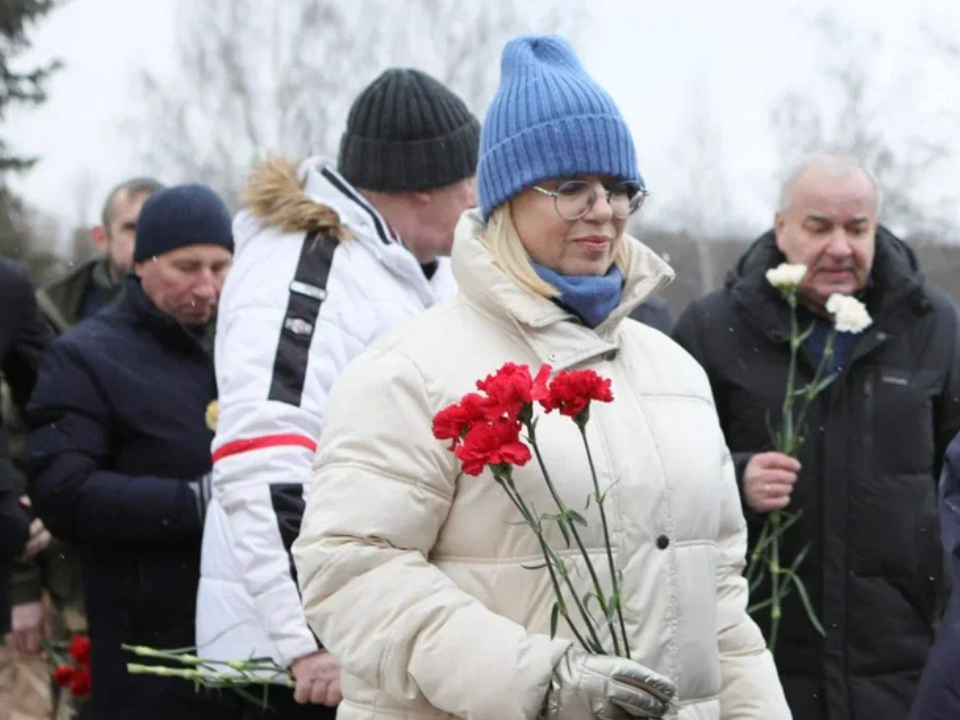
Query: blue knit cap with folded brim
[179, 216]
[549, 119]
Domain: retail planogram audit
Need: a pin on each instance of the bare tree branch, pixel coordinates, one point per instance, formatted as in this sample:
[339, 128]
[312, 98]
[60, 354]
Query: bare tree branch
[854, 119]
[279, 76]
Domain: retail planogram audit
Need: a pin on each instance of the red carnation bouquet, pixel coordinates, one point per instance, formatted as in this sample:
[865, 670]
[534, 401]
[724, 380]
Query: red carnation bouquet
[71, 665]
[496, 429]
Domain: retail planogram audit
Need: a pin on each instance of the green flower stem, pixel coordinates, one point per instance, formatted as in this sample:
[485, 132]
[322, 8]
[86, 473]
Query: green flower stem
[757, 555]
[183, 658]
[788, 433]
[566, 517]
[775, 611]
[812, 388]
[617, 598]
[262, 664]
[553, 561]
[215, 679]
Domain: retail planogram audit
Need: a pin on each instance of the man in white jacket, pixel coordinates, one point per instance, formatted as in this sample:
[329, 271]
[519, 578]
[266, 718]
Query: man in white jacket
[327, 259]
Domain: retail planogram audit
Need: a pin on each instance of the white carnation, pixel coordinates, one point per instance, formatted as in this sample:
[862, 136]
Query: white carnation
[849, 314]
[786, 276]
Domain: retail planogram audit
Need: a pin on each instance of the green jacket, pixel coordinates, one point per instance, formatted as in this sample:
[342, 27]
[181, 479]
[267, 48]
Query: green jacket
[62, 301]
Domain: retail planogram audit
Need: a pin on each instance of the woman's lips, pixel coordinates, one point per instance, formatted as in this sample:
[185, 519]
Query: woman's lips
[594, 242]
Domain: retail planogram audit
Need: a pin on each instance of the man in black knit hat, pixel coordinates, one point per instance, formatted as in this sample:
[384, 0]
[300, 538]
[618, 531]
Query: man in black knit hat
[328, 259]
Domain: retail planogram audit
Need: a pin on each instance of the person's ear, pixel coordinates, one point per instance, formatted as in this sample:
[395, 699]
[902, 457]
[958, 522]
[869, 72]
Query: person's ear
[99, 236]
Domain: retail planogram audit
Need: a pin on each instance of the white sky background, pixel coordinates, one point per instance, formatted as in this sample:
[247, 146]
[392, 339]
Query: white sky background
[656, 57]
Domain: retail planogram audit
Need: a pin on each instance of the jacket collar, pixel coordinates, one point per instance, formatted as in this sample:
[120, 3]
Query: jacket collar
[323, 184]
[329, 187]
[555, 334]
[896, 283]
[170, 331]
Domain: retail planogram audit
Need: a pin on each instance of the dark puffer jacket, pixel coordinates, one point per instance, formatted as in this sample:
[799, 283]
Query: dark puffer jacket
[939, 695]
[118, 436]
[868, 487]
[23, 337]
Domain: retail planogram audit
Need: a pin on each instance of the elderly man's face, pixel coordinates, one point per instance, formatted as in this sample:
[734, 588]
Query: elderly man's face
[830, 226]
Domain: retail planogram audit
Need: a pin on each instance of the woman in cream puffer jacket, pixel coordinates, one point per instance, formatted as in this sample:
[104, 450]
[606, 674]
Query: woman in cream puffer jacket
[417, 577]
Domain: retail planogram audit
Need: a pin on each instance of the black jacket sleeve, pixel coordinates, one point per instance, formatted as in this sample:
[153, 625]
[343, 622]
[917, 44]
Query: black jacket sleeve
[947, 408]
[938, 697]
[31, 339]
[26, 337]
[69, 458]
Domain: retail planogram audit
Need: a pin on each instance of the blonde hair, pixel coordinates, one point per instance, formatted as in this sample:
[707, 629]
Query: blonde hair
[502, 241]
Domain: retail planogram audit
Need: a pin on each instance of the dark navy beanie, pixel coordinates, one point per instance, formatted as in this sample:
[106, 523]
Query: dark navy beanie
[548, 120]
[179, 216]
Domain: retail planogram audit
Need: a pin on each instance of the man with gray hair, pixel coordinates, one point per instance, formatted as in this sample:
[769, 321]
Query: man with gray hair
[866, 477]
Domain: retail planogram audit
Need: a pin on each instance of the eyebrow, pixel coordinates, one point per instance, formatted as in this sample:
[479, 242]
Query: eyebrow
[859, 220]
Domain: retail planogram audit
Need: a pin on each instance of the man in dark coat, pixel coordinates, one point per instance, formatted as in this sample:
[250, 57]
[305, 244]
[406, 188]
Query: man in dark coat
[23, 338]
[119, 451]
[56, 572]
[866, 479]
[939, 695]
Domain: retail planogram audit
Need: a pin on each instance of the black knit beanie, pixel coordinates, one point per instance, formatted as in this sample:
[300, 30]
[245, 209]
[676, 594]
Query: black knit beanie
[179, 216]
[407, 131]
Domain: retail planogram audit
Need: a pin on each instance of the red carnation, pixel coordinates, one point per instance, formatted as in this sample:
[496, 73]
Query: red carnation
[63, 675]
[80, 684]
[453, 422]
[511, 388]
[572, 390]
[79, 649]
[492, 443]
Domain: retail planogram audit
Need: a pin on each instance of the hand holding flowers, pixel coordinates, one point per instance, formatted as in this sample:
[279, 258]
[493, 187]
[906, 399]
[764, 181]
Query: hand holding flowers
[849, 315]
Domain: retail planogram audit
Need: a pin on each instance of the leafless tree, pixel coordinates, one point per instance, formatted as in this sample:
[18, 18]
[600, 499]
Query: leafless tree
[852, 111]
[258, 76]
[698, 202]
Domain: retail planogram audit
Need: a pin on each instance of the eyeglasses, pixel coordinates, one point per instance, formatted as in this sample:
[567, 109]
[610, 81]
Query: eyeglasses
[574, 198]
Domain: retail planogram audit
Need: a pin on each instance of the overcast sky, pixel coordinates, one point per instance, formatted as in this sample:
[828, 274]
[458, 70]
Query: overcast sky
[660, 61]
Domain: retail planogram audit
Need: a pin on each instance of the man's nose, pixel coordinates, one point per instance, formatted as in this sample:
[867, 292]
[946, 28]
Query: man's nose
[206, 286]
[839, 245]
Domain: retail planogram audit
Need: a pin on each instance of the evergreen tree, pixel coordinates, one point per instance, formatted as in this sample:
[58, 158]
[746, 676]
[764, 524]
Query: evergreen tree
[25, 87]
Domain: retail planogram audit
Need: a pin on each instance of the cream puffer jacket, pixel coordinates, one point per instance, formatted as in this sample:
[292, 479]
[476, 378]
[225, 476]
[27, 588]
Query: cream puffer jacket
[413, 573]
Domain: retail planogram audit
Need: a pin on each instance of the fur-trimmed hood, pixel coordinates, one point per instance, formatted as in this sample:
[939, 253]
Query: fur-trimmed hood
[275, 194]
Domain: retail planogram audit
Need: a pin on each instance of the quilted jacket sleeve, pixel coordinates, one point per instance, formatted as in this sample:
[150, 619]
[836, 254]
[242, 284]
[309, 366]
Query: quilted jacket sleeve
[750, 688]
[69, 454]
[383, 487]
[938, 697]
[270, 412]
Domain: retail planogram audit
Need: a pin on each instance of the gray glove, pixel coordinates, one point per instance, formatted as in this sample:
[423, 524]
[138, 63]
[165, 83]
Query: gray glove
[588, 686]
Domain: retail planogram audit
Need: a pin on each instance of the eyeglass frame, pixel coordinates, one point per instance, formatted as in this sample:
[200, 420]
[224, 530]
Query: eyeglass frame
[555, 194]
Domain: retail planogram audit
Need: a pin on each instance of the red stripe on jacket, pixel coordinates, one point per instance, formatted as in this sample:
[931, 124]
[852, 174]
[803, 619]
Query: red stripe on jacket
[238, 447]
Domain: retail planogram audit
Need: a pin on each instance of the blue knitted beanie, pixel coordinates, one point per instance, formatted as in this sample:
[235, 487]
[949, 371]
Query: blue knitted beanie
[549, 119]
[179, 216]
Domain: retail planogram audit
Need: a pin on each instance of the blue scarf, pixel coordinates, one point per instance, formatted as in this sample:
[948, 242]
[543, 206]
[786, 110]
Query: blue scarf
[591, 297]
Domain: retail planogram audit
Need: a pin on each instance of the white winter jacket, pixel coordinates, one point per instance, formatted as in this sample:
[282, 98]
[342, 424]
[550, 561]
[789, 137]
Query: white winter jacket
[413, 573]
[298, 305]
